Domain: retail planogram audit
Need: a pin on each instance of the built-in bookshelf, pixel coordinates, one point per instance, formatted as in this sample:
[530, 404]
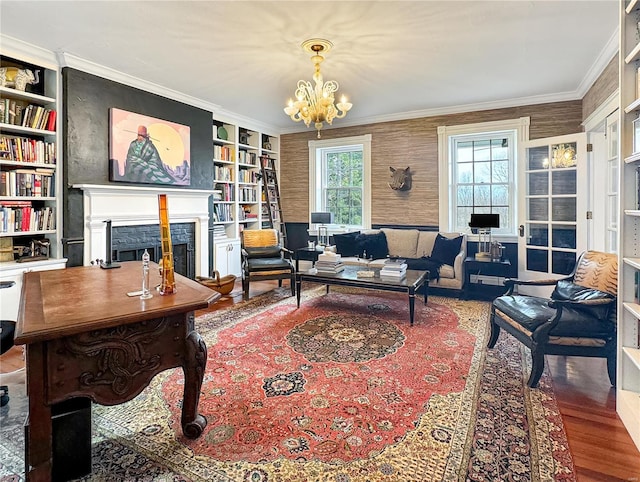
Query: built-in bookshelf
[628, 370]
[30, 219]
[238, 204]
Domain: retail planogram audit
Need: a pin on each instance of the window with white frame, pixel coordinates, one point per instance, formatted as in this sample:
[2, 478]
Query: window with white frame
[340, 181]
[478, 172]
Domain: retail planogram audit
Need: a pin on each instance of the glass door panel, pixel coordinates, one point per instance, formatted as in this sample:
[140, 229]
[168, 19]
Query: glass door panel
[551, 207]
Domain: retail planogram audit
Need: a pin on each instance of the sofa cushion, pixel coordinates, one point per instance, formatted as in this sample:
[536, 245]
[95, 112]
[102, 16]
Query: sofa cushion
[402, 243]
[263, 252]
[567, 290]
[373, 245]
[346, 244]
[446, 249]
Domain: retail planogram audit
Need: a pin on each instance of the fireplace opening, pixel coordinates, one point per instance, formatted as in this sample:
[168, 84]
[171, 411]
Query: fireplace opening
[129, 242]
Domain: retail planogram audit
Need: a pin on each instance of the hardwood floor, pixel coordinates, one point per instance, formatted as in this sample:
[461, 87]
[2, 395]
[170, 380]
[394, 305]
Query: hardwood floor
[601, 447]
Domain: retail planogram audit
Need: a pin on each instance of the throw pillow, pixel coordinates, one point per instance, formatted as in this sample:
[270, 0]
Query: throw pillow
[373, 245]
[446, 249]
[346, 244]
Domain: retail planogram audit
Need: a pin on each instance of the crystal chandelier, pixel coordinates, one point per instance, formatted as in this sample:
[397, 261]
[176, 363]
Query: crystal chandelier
[316, 103]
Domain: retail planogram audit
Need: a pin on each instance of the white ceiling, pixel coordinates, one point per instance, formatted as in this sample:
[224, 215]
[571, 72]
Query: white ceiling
[391, 58]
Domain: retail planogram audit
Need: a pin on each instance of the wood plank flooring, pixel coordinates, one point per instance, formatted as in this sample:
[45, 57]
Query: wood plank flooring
[601, 447]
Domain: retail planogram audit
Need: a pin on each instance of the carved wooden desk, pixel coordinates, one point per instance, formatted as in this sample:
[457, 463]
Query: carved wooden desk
[86, 338]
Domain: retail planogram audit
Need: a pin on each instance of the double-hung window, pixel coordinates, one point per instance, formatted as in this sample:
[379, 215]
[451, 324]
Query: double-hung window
[340, 181]
[478, 173]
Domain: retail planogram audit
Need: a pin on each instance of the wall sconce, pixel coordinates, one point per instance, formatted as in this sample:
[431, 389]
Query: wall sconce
[323, 232]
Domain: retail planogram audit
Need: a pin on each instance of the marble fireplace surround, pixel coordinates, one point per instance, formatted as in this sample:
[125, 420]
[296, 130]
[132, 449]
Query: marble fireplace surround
[135, 205]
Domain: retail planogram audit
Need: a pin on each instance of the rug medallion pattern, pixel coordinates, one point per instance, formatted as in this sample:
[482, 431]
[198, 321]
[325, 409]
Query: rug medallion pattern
[342, 389]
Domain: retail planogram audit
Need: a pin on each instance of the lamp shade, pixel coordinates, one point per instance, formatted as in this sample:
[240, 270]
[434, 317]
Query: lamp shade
[321, 218]
[484, 221]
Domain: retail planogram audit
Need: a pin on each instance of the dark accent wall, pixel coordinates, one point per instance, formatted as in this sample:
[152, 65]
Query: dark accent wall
[85, 123]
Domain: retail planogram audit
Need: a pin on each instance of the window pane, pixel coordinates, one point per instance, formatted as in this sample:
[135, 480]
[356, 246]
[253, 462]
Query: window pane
[465, 173]
[481, 151]
[562, 262]
[563, 182]
[564, 155]
[465, 196]
[464, 151]
[500, 171]
[538, 209]
[563, 209]
[563, 236]
[482, 195]
[537, 260]
[482, 172]
[500, 195]
[538, 235]
[499, 149]
[538, 158]
[538, 184]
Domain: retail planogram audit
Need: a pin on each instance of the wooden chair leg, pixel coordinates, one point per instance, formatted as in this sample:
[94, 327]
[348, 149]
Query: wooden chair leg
[495, 330]
[611, 367]
[292, 280]
[245, 288]
[537, 356]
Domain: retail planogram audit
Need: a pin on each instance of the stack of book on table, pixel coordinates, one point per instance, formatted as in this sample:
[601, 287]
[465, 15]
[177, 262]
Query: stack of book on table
[394, 268]
[329, 262]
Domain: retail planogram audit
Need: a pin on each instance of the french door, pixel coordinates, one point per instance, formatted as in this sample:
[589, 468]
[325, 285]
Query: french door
[552, 204]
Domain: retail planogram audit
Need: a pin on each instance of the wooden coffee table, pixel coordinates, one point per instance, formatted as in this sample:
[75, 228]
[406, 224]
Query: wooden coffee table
[410, 284]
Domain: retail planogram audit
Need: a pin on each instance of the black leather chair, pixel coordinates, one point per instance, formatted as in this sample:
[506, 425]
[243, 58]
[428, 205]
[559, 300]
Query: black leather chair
[579, 319]
[7, 331]
[264, 259]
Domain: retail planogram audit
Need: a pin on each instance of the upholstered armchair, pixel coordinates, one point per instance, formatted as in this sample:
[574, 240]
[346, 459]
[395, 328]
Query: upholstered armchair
[579, 319]
[264, 259]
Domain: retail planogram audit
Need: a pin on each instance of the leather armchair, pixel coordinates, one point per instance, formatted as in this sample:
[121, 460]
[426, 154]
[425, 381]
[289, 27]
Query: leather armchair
[264, 259]
[579, 319]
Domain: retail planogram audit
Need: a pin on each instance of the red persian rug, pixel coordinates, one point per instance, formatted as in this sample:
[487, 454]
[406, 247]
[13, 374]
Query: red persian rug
[342, 389]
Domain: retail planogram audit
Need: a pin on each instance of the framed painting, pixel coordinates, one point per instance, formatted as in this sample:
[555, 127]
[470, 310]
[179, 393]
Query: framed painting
[147, 150]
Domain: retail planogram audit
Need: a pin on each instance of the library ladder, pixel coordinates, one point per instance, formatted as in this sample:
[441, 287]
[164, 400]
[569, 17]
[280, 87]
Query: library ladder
[271, 198]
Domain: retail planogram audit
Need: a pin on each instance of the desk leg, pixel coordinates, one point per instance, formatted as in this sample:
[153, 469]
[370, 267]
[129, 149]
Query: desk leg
[38, 449]
[195, 362]
[298, 289]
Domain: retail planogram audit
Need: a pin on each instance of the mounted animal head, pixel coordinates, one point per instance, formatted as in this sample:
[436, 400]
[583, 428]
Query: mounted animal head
[400, 179]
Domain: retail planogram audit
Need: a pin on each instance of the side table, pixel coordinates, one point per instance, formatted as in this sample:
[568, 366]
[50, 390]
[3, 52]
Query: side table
[486, 268]
[306, 254]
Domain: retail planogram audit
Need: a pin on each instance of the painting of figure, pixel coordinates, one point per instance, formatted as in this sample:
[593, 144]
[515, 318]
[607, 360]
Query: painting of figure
[148, 150]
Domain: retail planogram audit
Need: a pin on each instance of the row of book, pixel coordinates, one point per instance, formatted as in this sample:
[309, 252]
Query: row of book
[226, 190]
[245, 157]
[18, 113]
[21, 216]
[245, 175]
[394, 268]
[39, 182]
[24, 149]
[223, 212]
[222, 173]
[222, 153]
[248, 195]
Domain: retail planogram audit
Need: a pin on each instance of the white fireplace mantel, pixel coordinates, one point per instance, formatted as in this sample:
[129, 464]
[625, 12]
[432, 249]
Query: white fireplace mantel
[135, 205]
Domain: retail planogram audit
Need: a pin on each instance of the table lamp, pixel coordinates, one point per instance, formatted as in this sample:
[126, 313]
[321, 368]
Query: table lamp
[483, 223]
[322, 218]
